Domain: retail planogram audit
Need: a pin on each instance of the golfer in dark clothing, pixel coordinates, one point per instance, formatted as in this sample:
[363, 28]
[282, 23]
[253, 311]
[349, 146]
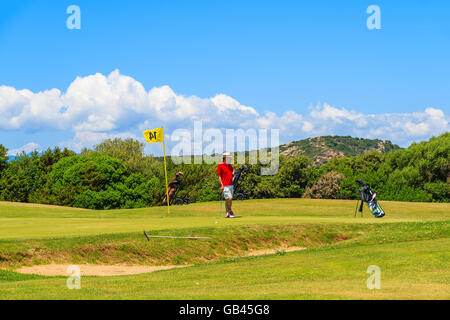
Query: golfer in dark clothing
[225, 171]
[173, 185]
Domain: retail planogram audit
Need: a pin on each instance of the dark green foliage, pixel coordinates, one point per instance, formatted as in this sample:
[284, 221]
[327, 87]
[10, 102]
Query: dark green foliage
[77, 176]
[117, 174]
[439, 190]
[209, 191]
[418, 173]
[291, 178]
[131, 152]
[24, 179]
[20, 178]
[94, 181]
[3, 158]
[98, 181]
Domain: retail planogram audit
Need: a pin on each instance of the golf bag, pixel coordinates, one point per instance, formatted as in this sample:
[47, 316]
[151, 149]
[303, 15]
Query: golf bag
[175, 199]
[238, 174]
[369, 197]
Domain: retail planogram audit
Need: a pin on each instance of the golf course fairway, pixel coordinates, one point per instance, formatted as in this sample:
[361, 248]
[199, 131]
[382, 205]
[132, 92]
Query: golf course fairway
[274, 249]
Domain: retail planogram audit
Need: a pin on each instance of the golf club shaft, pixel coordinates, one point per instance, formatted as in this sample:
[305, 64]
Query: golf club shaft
[221, 197]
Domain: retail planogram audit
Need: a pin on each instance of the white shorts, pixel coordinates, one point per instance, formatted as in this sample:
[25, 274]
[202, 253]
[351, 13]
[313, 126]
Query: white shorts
[228, 192]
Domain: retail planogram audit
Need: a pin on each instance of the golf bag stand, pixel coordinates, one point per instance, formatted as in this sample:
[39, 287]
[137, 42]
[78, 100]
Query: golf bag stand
[369, 197]
[176, 200]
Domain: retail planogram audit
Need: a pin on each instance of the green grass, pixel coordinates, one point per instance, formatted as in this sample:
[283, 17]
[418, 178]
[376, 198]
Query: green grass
[17, 222]
[10, 276]
[410, 245]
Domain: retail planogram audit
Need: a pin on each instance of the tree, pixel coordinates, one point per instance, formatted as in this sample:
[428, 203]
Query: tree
[3, 158]
[20, 178]
[131, 152]
[51, 157]
[291, 179]
[99, 181]
[327, 187]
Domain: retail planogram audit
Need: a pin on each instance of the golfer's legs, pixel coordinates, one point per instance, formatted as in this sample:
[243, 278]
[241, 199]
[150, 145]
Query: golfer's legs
[228, 204]
[228, 195]
[171, 192]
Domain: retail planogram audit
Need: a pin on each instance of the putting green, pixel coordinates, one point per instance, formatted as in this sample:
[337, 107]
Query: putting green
[410, 245]
[28, 221]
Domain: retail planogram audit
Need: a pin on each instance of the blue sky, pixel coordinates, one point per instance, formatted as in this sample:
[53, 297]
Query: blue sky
[274, 56]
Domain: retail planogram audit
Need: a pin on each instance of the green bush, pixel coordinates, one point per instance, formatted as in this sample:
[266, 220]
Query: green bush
[439, 190]
[210, 190]
[327, 187]
[98, 181]
[117, 174]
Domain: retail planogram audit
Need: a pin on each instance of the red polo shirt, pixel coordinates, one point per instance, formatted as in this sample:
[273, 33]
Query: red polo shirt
[225, 171]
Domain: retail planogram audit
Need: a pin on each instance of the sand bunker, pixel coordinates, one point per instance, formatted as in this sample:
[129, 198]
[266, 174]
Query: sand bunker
[36, 205]
[121, 270]
[273, 251]
[91, 270]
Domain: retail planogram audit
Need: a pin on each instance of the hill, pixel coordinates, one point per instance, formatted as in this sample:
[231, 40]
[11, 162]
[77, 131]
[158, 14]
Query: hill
[322, 149]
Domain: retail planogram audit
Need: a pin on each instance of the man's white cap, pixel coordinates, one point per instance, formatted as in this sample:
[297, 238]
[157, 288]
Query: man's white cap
[226, 154]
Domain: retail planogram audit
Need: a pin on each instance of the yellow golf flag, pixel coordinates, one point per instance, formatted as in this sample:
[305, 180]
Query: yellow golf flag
[153, 136]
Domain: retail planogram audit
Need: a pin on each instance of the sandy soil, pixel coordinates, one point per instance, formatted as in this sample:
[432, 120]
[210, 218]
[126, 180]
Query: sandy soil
[273, 251]
[91, 270]
[36, 205]
[120, 270]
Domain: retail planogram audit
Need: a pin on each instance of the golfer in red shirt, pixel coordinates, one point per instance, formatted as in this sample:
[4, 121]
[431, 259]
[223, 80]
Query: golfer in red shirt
[225, 171]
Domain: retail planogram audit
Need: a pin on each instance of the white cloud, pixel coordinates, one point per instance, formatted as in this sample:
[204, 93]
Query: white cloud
[307, 126]
[97, 107]
[29, 147]
[401, 128]
[23, 109]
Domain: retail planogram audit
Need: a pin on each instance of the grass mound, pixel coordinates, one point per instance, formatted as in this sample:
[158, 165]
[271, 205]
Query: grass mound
[133, 248]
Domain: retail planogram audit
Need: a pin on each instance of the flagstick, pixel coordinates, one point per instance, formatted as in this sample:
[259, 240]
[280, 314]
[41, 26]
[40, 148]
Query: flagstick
[167, 185]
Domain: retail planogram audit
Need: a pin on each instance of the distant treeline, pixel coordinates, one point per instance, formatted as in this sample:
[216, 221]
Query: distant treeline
[117, 174]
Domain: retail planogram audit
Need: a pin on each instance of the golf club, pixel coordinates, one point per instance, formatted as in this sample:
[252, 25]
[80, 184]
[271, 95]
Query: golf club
[221, 197]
